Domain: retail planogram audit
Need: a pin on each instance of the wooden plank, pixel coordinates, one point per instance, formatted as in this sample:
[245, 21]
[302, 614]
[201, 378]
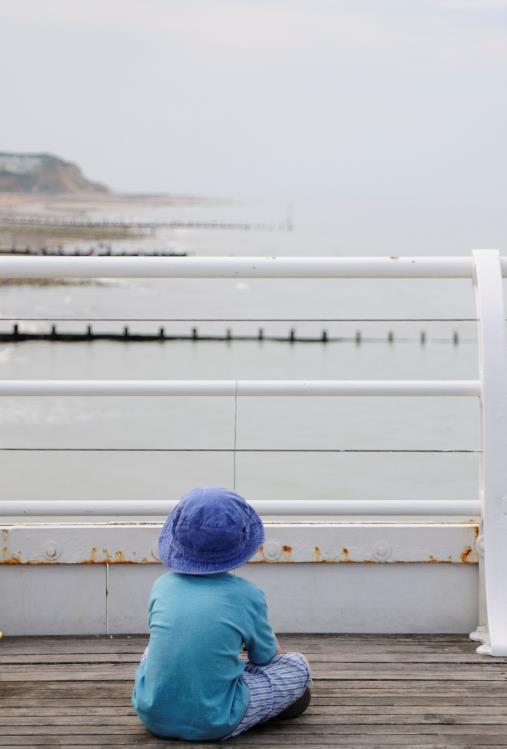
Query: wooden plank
[42, 703]
[33, 659]
[345, 687]
[106, 674]
[386, 718]
[323, 671]
[317, 642]
[16, 715]
[479, 690]
[83, 645]
[34, 706]
[287, 728]
[309, 643]
[69, 646]
[315, 658]
[316, 742]
[58, 710]
[489, 666]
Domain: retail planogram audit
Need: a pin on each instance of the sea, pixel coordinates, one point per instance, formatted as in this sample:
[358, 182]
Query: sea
[65, 448]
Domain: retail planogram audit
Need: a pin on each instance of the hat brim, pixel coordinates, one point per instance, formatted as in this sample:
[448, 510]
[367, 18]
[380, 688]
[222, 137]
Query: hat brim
[178, 562]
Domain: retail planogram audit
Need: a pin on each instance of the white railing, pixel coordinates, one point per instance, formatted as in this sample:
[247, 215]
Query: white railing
[485, 267]
[242, 267]
[240, 387]
[308, 507]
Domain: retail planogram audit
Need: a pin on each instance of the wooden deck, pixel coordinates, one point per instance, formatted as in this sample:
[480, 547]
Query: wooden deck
[369, 691]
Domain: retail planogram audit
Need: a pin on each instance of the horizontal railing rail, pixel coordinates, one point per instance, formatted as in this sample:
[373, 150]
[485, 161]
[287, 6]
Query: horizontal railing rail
[239, 267]
[282, 507]
[241, 387]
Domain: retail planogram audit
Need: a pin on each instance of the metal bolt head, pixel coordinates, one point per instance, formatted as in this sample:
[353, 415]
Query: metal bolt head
[382, 551]
[272, 550]
[52, 550]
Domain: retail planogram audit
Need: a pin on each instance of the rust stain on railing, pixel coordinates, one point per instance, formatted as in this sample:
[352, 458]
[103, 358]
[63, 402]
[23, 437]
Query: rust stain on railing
[271, 553]
[465, 555]
[346, 555]
[7, 556]
[117, 557]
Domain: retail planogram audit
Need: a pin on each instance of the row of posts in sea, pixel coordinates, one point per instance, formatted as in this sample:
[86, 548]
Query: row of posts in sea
[78, 223]
[16, 335]
[99, 250]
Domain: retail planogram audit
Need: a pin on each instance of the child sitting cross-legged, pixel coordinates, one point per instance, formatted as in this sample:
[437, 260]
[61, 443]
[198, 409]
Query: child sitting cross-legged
[191, 682]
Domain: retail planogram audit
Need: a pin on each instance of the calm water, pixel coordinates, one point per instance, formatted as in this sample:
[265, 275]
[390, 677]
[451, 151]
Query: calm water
[88, 428]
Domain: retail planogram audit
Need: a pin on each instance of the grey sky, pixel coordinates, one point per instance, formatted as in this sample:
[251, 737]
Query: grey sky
[278, 96]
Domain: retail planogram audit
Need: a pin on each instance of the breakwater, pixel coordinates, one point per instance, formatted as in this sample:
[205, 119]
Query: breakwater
[99, 250]
[61, 222]
[126, 334]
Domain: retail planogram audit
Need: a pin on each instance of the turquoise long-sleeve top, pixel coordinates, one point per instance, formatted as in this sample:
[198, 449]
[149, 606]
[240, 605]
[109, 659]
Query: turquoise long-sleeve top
[189, 686]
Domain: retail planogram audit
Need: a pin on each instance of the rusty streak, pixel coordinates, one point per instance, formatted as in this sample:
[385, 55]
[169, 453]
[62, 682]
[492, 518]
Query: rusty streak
[8, 558]
[346, 555]
[465, 554]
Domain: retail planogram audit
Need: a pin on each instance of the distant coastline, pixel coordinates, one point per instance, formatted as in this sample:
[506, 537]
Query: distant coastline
[43, 173]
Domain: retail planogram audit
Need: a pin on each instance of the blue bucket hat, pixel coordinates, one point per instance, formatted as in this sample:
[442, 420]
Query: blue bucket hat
[210, 530]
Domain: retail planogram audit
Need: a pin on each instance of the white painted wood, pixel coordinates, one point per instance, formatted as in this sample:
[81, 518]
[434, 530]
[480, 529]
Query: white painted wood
[65, 596]
[408, 598]
[284, 507]
[493, 372]
[369, 598]
[129, 589]
[56, 599]
[135, 544]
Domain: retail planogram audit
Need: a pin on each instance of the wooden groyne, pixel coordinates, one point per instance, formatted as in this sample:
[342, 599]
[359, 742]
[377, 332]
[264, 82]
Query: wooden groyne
[94, 251]
[60, 222]
[17, 335]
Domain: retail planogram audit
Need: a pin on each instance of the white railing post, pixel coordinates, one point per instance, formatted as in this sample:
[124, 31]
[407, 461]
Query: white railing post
[493, 470]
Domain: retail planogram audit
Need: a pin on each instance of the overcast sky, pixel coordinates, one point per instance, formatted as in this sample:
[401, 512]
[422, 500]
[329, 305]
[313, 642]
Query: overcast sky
[261, 96]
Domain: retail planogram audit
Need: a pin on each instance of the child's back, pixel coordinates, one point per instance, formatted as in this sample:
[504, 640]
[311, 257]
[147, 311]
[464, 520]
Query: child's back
[189, 685]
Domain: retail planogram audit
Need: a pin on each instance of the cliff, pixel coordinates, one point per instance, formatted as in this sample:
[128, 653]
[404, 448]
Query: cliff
[43, 173]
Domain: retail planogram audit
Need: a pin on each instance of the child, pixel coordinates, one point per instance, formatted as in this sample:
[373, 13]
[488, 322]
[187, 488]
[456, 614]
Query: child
[191, 683]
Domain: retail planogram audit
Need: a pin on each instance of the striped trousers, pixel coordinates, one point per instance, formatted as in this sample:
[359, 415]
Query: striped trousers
[272, 687]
